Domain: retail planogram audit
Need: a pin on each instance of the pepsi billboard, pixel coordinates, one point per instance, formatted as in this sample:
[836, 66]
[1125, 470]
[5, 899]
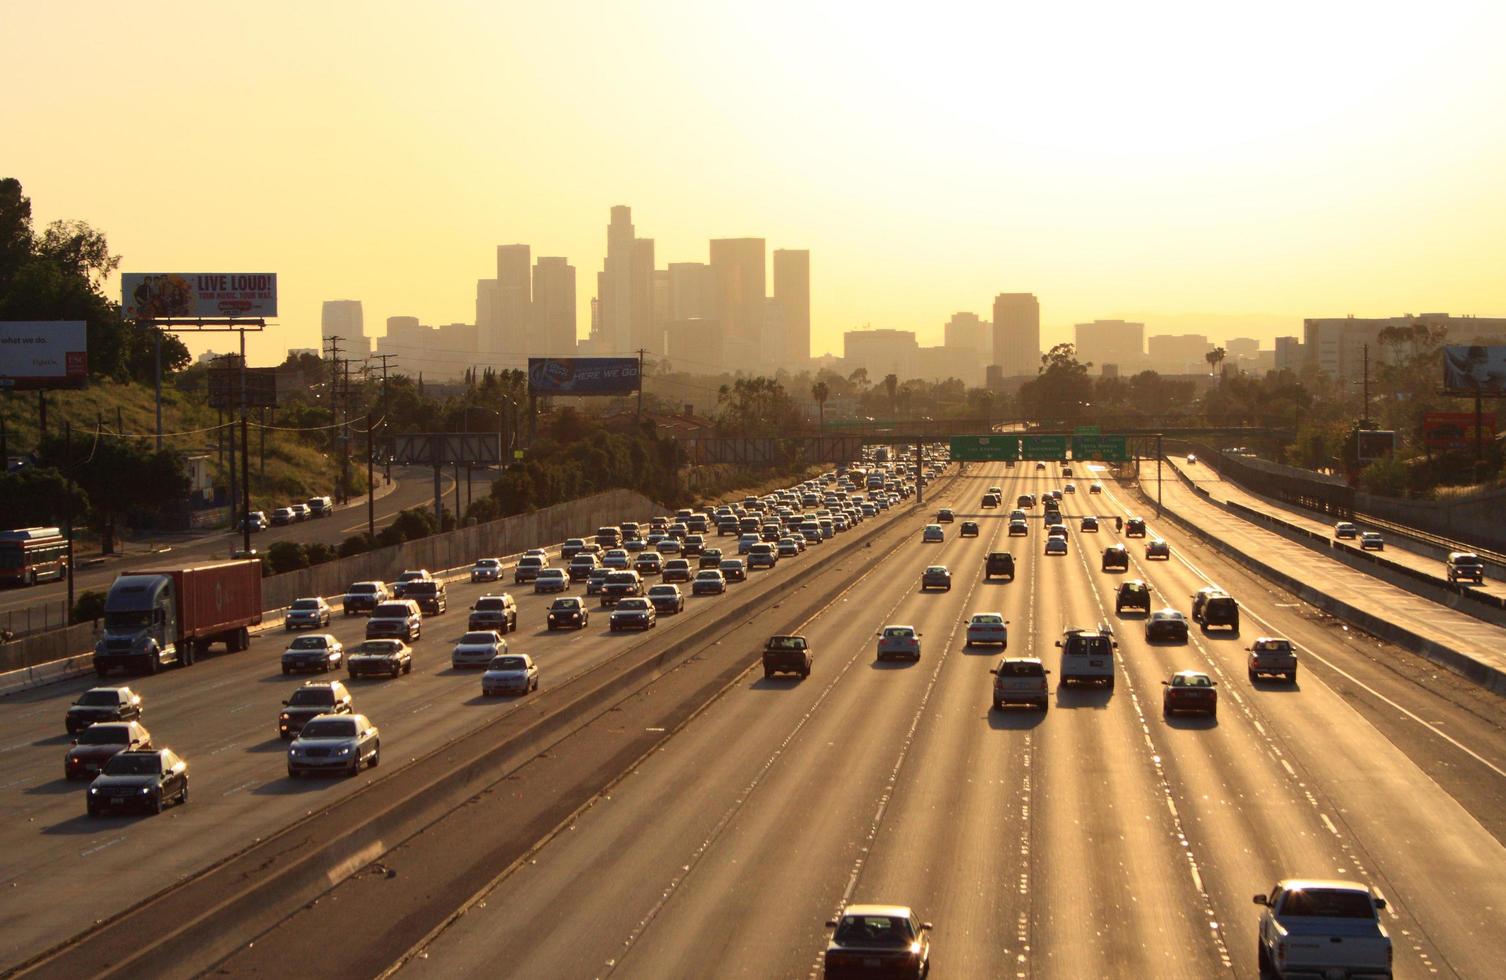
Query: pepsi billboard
[582, 375]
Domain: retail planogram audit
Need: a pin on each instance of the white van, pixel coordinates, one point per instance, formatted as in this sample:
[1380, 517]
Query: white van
[1088, 655]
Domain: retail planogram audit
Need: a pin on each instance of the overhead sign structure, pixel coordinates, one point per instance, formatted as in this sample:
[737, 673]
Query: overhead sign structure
[1456, 430]
[447, 448]
[1109, 449]
[42, 354]
[1043, 447]
[984, 448]
[1474, 370]
[583, 375]
[197, 295]
[225, 388]
[1374, 444]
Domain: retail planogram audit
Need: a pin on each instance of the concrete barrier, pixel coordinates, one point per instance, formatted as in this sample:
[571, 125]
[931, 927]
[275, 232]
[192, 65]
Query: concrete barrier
[1486, 675]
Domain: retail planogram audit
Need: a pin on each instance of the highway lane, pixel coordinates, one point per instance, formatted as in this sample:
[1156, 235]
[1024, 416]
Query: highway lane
[1098, 839]
[415, 488]
[221, 716]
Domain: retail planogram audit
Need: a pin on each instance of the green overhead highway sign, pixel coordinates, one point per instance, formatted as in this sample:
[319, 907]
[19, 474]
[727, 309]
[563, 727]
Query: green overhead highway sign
[1110, 449]
[985, 448]
[1043, 447]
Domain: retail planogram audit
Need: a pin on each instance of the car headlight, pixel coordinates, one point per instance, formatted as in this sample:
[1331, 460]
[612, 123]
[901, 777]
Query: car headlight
[344, 751]
[93, 790]
[284, 717]
[145, 790]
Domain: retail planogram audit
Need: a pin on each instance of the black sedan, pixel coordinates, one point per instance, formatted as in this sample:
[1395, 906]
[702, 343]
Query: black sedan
[1166, 624]
[633, 613]
[878, 941]
[568, 611]
[139, 781]
[969, 529]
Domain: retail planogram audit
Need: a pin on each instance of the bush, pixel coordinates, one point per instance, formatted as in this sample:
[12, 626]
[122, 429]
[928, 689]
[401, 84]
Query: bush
[1387, 476]
[356, 544]
[410, 525]
[287, 556]
[318, 553]
[88, 607]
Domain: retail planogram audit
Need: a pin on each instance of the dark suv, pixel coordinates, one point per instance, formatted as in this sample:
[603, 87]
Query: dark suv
[1210, 609]
[1116, 556]
[1133, 594]
[430, 596]
[314, 698]
[1134, 527]
[998, 563]
[494, 612]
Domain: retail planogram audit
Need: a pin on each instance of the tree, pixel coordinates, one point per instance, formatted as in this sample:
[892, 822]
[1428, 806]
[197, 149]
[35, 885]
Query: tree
[124, 479]
[38, 497]
[1061, 390]
[820, 391]
[756, 407]
[891, 385]
[1215, 358]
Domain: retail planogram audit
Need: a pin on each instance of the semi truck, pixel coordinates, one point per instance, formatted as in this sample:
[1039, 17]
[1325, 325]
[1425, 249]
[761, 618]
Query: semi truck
[159, 617]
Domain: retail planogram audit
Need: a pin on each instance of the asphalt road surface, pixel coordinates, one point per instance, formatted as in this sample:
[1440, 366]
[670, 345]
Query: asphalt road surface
[415, 488]
[1095, 839]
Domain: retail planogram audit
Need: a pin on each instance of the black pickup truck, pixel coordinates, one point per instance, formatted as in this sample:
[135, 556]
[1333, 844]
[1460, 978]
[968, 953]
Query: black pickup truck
[786, 655]
[998, 563]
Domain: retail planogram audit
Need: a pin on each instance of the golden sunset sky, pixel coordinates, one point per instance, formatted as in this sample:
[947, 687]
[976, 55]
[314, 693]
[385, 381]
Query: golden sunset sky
[1236, 166]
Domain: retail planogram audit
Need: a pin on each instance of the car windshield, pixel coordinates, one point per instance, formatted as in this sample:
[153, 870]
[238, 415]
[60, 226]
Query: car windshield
[708, 574]
[507, 663]
[306, 696]
[132, 764]
[633, 604]
[898, 633]
[621, 578]
[391, 610]
[488, 563]
[564, 604]
[105, 735]
[329, 728]
[422, 588]
[786, 643]
[1089, 645]
[551, 573]
[668, 591]
[479, 636]
[1273, 646]
[1327, 903]
[489, 604]
[128, 620]
[1191, 680]
[988, 619]
[936, 570]
[363, 588]
[378, 648]
[305, 604]
[99, 699]
[873, 930]
[308, 643]
[1015, 668]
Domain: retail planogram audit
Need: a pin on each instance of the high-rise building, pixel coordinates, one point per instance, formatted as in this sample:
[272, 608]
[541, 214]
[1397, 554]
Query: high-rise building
[771, 355]
[881, 352]
[1178, 353]
[692, 291]
[694, 345]
[614, 287]
[488, 317]
[553, 308]
[1336, 345]
[1242, 347]
[1288, 354]
[514, 320]
[1116, 342]
[966, 331]
[343, 318]
[737, 267]
[1017, 334]
[792, 290]
[643, 334]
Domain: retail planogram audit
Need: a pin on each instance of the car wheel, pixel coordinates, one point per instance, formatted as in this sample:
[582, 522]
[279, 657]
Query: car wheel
[1165, 711]
[1263, 958]
[1213, 712]
[376, 755]
[355, 764]
[408, 667]
[183, 796]
[1252, 677]
[998, 705]
[158, 803]
[396, 671]
[286, 670]
[1291, 677]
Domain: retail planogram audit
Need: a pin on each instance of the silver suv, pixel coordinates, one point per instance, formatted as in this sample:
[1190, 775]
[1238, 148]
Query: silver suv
[397, 618]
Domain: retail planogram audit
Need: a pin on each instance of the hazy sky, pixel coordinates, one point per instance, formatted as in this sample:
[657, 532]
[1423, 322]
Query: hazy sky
[1115, 159]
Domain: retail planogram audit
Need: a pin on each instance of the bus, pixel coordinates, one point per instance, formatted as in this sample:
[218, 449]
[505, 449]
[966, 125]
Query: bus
[32, 554]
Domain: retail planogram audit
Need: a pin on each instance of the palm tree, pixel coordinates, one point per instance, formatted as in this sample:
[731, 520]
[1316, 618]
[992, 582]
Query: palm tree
[1215, 358]
[820, 392]
[891, 385]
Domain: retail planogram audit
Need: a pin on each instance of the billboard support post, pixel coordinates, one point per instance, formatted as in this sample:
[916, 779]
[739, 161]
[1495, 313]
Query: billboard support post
[157, 344]
[1479, 439]
[68, 513]
[41, 416]
[1159, 454]
[370, 483]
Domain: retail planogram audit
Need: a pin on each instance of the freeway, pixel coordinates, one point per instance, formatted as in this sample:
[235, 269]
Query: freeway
[414, 488]
[221, 716]
[1097, 839]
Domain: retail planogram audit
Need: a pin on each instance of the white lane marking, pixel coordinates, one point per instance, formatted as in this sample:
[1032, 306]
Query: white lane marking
[237, 789]
[96, 849]
[1308, 651]
[1329, 824]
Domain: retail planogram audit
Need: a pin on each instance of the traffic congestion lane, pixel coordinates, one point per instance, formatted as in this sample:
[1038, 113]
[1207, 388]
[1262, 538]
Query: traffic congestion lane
[591, 893]
[1347, 803]
[236, 759]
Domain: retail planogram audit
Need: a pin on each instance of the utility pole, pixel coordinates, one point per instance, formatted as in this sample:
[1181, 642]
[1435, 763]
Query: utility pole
[68, 512]
[245, 457]
[345, 437]
[157, 347]
[370, 483]
[262, 470]
[640, 382]
[333, 353]
[1158, 474]
[1365, 391]
[385, 418]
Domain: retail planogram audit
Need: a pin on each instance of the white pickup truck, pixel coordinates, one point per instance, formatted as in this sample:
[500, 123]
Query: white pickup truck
[1329, 930]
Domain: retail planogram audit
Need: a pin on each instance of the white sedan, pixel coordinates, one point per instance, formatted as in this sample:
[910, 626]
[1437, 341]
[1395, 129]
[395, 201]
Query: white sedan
[512, 673]
[988, 627]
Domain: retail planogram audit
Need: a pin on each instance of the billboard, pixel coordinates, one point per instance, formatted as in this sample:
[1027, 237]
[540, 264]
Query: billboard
[1456, 430]
[1474, 370]
[1374, 444]
[582, 375]
[43, 354]
[225, 387]
[198, 295]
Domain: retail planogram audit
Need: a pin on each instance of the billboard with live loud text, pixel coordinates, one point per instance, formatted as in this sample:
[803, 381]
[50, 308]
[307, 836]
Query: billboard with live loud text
[40, 354]
[198, 295]
[582, 375]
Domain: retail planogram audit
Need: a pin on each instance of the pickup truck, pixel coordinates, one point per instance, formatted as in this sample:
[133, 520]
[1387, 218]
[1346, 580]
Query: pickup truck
[786, 655]
[999, 563]
[1273, 656]
[1320, 928]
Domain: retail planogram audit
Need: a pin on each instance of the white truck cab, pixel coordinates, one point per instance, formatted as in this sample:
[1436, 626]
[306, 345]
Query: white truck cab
[1313, 927]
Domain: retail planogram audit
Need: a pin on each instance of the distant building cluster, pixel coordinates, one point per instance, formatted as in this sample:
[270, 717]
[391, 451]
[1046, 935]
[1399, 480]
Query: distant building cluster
[702, 317]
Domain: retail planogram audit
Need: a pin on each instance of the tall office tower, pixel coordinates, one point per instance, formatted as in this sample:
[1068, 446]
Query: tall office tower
[694, 345]
[642, 332]
[1116, 342]
[614, 287]
[881, 352]
[1017, 334]
[792, 290]
[692, 291]
[1288, 354]
[737, 267]
[771, 349]
[966, 331]
[488, 318]
[1178, 353]
[511, 343]
[553, 307]
[343, 318]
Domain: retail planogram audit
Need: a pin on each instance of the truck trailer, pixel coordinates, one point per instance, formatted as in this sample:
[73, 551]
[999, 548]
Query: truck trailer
[155, 618]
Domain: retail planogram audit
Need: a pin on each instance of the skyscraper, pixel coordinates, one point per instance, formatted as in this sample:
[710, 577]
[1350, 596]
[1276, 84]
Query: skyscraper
[642, 333]
[511, 343]
[737, 268]
[488, 318]
[966, 331]
[553, 308]
[614, 287]
[792, 291]
[1017, 334]
[343, 318]
[1116, 342]
[692, 291]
